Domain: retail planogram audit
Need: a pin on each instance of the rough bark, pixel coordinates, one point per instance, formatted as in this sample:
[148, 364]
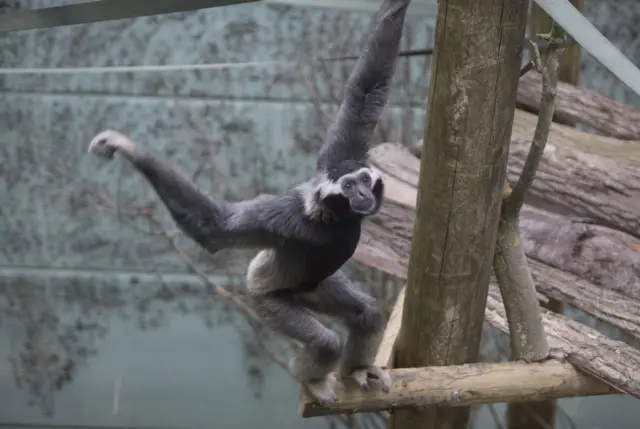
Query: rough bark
[611, 361]
[385, 245]
[600, 254]
[579, 183]
[623, 151]
[527, 337]
[528, 341]
[580, 106]
[580, 175]
[592, 251]
[472, 99]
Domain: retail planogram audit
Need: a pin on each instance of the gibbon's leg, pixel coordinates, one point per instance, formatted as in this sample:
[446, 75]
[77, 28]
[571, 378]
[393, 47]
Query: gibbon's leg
[336, 296]
[314, 364]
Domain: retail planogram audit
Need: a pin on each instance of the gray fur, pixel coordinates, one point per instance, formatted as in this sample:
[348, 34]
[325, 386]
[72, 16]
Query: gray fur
[306, 234]
[367, 89]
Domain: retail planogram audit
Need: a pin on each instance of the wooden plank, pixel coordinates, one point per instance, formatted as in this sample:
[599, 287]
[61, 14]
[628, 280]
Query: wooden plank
[386, 350]
[463, 385]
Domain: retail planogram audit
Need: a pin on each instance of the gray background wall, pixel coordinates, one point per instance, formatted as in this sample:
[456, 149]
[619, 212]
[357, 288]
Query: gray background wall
[256, 129]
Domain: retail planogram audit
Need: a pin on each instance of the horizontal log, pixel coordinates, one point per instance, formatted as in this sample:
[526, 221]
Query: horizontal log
[574, 182]
[578, 105]
[386, 243]
[463, 385]
[572, 245]
[623, 151]
[580, 174]
[604, 256]
[589, 251]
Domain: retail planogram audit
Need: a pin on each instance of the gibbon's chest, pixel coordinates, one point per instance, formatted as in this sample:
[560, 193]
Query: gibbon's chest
[327, 259]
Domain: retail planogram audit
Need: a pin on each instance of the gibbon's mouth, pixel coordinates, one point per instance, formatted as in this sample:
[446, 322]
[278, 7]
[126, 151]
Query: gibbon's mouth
[363, 205]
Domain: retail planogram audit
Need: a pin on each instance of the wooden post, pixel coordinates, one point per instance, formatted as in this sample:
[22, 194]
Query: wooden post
[470, 114]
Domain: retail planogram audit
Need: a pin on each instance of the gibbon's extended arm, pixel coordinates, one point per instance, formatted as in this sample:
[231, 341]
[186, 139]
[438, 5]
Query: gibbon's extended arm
[264, 221]
[367, 89]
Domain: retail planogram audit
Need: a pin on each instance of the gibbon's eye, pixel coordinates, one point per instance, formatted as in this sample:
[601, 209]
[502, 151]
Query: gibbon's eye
[365, 178]
[348, 184]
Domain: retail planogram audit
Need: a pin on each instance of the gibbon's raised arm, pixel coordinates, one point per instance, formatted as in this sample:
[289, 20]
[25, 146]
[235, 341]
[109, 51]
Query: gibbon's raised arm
[214, 224]
[367, 89]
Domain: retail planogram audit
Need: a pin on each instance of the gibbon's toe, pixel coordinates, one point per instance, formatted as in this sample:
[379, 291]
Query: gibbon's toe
[364, 375]
[324, 390]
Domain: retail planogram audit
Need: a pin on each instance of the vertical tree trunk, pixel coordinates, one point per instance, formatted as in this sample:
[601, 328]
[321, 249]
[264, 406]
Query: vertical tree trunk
[462, 173]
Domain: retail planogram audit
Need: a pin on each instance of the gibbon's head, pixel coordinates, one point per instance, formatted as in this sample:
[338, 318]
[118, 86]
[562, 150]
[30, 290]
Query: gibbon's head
[351, 189]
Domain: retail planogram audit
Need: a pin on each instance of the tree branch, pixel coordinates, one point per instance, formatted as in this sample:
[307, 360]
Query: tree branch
[549, 74]
[528, 340]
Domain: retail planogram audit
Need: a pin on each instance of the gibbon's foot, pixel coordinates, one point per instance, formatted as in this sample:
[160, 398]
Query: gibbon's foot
[106, 143]
[324, 390]
[362, 376]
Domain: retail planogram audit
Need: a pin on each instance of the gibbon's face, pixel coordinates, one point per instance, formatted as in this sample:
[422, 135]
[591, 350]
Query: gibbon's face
[358, 187]
[352, 188]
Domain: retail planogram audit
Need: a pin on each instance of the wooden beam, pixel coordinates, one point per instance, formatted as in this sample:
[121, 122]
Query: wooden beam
[463, 385]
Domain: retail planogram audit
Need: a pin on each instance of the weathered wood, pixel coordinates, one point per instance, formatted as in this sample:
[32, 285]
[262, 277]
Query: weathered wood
[603, 255]
[576, 105]
[623, 151]
[580, 174]
[472, 100]
[528, 341]
[389, 235]
[386, 349]
[464, 385]
[613, 362]
[527, 336]
[579, 183]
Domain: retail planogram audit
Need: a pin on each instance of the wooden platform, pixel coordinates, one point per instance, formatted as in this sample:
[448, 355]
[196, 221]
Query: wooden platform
[577, 350]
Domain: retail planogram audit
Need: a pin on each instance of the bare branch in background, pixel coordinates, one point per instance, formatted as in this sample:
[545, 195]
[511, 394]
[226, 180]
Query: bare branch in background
[528, 339]
[541, 134]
